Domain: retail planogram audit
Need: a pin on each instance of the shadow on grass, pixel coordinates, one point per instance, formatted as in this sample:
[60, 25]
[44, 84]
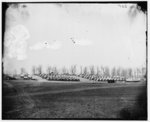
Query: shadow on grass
[137, 112]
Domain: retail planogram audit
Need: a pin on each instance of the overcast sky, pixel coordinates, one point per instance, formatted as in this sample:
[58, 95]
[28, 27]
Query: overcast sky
[82, 34]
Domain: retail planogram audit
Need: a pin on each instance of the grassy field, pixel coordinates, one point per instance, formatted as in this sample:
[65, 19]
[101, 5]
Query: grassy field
[46, 100]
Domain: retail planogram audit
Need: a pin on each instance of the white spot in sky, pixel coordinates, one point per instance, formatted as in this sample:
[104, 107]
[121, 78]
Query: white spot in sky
[54, 45]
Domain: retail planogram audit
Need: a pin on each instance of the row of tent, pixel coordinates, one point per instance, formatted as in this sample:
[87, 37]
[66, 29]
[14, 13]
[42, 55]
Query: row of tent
[100, 78]
[59, 77]
[27, 77]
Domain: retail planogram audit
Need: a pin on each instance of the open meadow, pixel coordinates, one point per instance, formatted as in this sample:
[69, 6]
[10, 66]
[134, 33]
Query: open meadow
[33, 99]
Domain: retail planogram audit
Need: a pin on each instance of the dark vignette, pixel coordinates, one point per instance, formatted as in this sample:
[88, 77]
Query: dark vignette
[135, 114]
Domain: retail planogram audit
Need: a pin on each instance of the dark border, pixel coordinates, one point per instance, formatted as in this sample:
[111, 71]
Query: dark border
[142, 4]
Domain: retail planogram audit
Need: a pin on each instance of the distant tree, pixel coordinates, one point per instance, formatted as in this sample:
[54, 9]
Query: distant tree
[64, 70]
[97, 70]
[49, 68]
[92, 70]
[33, 70]
[134, 73]
[138, 72]
[39, 69]
[23, 70]
[113, 72]
[129, 73]
[118, 71]
[54, 70]
[124, 73]
[102, 70]
[81, 70]
[143, 71]
[85, 71]
[73, 69]
[106, 72]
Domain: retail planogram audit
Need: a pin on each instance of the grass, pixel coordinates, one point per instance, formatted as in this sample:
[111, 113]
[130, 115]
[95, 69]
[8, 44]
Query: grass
[80, 101]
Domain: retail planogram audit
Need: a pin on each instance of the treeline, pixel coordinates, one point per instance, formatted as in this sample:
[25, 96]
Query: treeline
[104, 71]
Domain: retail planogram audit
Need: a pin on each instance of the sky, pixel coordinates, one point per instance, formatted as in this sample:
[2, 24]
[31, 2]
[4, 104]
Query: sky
[60, 35]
